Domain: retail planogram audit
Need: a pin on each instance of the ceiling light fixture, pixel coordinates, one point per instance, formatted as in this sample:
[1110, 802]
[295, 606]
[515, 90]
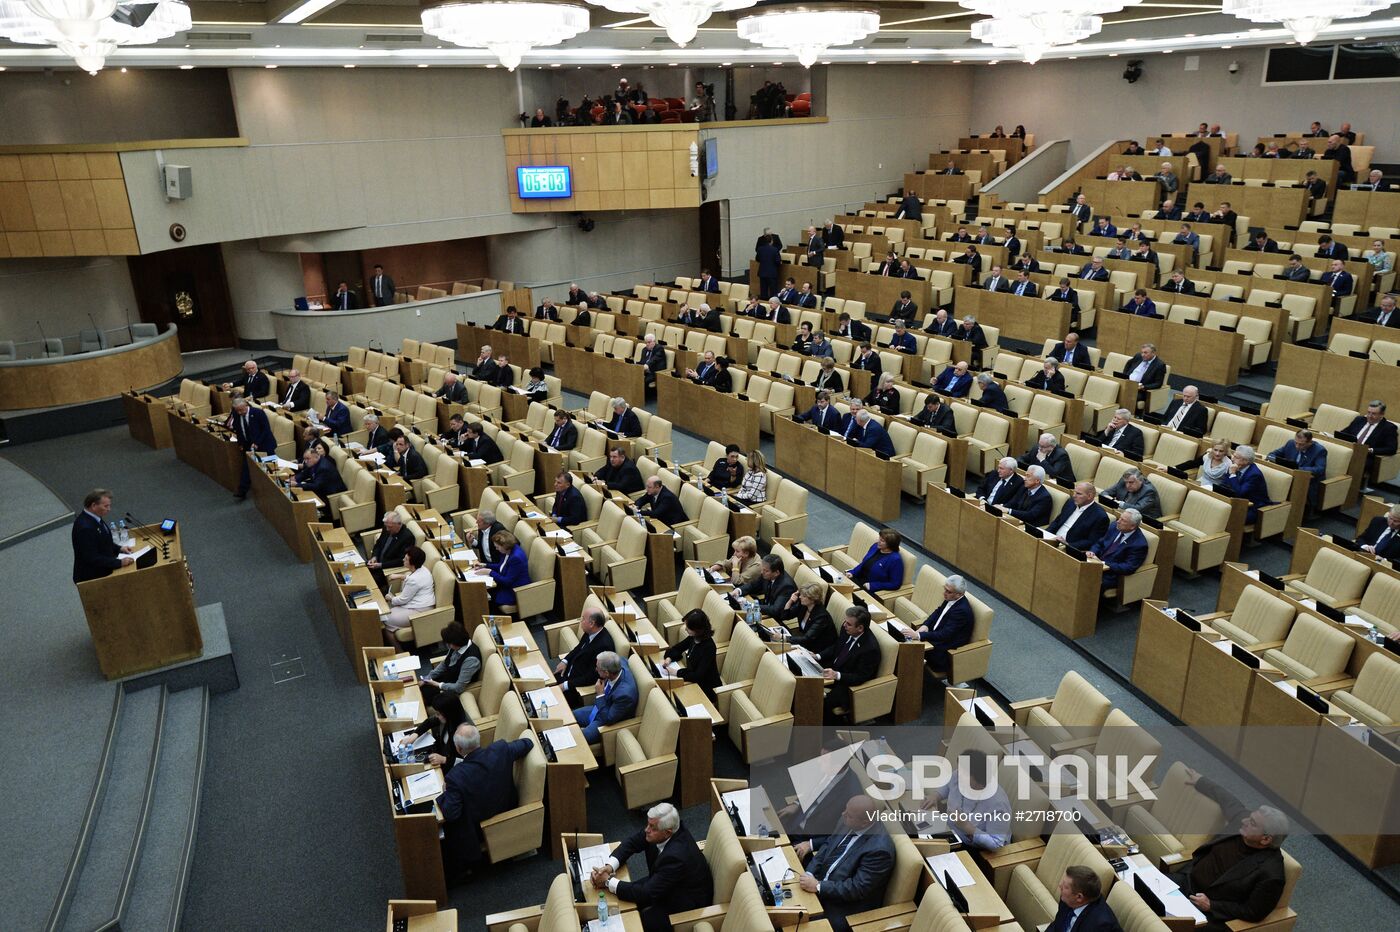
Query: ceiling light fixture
[506, 29]
[808, 31]
[303, 11]
[1033, 27]
[680, 18]
[1304, 18]
[90, 30]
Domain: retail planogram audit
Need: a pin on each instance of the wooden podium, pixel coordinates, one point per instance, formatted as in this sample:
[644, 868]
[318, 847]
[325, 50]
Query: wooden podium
[142, 619]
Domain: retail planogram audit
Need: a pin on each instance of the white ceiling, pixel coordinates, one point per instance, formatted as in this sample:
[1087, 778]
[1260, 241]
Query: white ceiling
[386, 33]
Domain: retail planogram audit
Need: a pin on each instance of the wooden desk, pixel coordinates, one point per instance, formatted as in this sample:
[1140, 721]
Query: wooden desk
[799, 272]
[695, 747]
[880, 292]
[1014, 147]
[1353, 794]
[288, 510]
[1014, 569]
[1265, 206]
[416, 837]
[848, 474]
[1162, 656]
[700, 410]
[522, 350]
[1367, 209]
[143, 618]
[1067, 591]
[931, 185]
[1217, 696]
[209, 448]
[585, 372]
[147, 419]
[943, 513]
[1033, 320]
[1195, 352]
[1277, 743]
[358, 628]
[969, 159]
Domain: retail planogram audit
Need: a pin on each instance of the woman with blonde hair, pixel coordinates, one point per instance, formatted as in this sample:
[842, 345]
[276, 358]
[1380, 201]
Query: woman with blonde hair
[742, 567]
[754, 489]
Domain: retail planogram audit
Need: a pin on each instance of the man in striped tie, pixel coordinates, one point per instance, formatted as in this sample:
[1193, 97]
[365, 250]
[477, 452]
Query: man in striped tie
[852, 867]
[1122, 550]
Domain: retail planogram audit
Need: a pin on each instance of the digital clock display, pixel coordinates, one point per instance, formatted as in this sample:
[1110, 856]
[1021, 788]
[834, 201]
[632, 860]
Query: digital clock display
[544, 181]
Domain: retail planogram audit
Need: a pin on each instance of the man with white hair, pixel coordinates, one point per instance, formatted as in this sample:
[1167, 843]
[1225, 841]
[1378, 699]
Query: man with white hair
[297, 396]
[1122, 435]
[776, 312]
[479, 786]
[678, 876]
[486, 368]
[452, 390]
[1122, 549]
[1382, 535]
[653, 357]
[1000, 485]
[949, 625]
[624, 420]
[1245, 480]
[1186, 414]
[253, 382]
[1050, 456]
[1238, 874]
[1032, 504]
[375, 435]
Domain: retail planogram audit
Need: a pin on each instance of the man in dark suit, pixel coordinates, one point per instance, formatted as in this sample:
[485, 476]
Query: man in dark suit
[954, 381]
[1032, 505]
[852, 660]
[833, 235]
[851, 329]
[996, 281]
[381, 288]
[1049, 378]
[1082, 522]
[706, 371]
[1025, 262]
[1080, 209]
[1260, 242]
[904, 308]
[568, 507]
[652, 358]
[1001, 484]
[1023, 287]
[1339, 279]
[547, 311]
[578, 667]
[787, 295]
[1295, 270]
[772, 587]
[318, 474]
[254, 433]
[936, 415]
[1012, 244]
[619, 475]
[1071, 351]
[1382, 535]
[1238, 874]
[1246, 481]
[1179, 284]
[866, 359]
[1065, 294]
[806, 298]
[1376, 433]
[1094, 271]
[1186, 413]
[822, 415]
[910, 208]
[1146, 368]
[678, 876]
[951, 169]
[297, 396]
[1050, 456]
[253, 381]
[661, 503]
[870, 434]
[708, 283]
[406, 461]
[486, 528]
[1122, 435]
[95, 553]
[972, 259]
[486, 368]
[624, 420]
[984, 236]
[337, 416]
[1103, 227]
[1140, 304]
[948, 626]
[770, 260]
[691, 316]
[1328, 248]
[851, 868]
[962, 236]
[902, 341]
[1122, 549]
[564, 436]
[942, 325]
[1070, 248]
[1082, 907]
[816, 248]
[777, 312]
[452, 390]
[509, 322]
[993, 395]
[889, 266]
[479, 786]
[1385, 314]
[344, 299]
[389, 547]
[711, 318]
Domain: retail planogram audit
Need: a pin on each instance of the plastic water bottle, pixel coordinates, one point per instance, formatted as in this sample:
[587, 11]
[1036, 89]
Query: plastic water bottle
[602, 909]
[777, 893]
[123, 535]
[753, 612]
[724, 497]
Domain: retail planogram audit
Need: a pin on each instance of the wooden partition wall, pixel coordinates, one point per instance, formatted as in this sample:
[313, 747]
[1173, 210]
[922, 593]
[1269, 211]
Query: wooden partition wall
[613, 167]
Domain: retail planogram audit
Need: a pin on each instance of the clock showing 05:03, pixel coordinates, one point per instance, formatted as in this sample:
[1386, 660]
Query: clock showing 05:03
[535, 181]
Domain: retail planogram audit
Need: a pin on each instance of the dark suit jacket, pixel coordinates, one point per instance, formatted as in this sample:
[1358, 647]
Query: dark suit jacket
[997, 283]
[567, 436]
[1383, 439]
[993, 397]
[1032, 508]
[954, 629]
[323, 479]
[1088, 272]
[625, 478]
[1195, 419]
[1250, 889]
[581, 663]
[1248, 484]
[479, 786]
[654, 359]
[547, 313]
[411, 466]
[1378, 526]
[1058, 465]
[456, 393]
[816, 633]
[857, 331]
[853, 880]
[938, 420]
[1087, 530]
[254, 388]
[337, 419]
[1080, 356]
[258, 434]
[630, 425]
[487, 371]
[484, 449]
[1031, 289]
[389, 548]
[1009, 489]
[1131, 441]
[1053, 383]
[769, 260]
[299, 395]
[664, 507]
[344, 302]
[506, 325]
[95, 554]
[828, 419]
[876, 438]
[569, 508]
[678, 878]
[1156, 371]
[860, 663]
[700, 667]
[1096, 917]
[710, 285]
[772, 594]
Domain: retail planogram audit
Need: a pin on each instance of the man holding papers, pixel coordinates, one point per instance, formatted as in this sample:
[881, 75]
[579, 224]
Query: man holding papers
[95, 553]
[481, 785]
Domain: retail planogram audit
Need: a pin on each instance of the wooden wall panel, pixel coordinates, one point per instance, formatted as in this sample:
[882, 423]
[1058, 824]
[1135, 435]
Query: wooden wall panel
[613, 167]
[64, 204]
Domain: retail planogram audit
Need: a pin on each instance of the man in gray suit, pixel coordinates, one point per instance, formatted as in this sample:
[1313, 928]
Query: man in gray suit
[851, 868]
[1134, 490]
[381, 288]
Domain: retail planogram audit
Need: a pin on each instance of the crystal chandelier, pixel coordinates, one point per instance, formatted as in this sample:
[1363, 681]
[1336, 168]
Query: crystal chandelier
[1033, 27]
[1304, 18]
[680, 18]
[807, 32]
[90, 30]
[507, 29]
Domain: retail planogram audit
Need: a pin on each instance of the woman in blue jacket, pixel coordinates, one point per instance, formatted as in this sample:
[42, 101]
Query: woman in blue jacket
[511, 571]
[883, 567]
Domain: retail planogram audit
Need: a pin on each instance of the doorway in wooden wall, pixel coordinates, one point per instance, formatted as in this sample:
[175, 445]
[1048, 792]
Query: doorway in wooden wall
[188, 288]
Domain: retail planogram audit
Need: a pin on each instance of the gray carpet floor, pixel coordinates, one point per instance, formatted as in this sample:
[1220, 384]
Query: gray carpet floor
[26, 503]
[294, 830]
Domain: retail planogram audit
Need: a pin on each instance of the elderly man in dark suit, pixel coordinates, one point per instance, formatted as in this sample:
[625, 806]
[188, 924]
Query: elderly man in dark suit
[1146, 368]
[1373, 431]
[568, 507]
[1122, 549]
[678, 876]
[254, 433]
[1186, 413]
[1246, 481]
[578, 668]
[949, 626]
[479, 786]
[253, 381]
[1032, 504]
[1122, 435]
[1070, 351]
[850, 869]
[1050, 456]
[95, 553]
[389, 547]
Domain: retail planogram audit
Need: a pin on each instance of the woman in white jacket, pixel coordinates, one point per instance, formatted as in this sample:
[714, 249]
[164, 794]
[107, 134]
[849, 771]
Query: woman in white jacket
[415, 594]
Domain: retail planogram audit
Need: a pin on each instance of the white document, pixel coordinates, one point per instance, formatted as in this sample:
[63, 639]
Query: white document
[646, 639]
[477, 462]
[697, 711]
[614, 924]
[405, 709]
[812, 777]
[558, 535]
[592, 856]
[287, 464]
[561, 739]
[138, 554]
[426, 784]
[570, 549]
[348, 556]
[534, 672]
[950, 864]
[542, 699]
[403, 665]
[374, 456]
[1170, 894]
[773, 864]
[516, 642]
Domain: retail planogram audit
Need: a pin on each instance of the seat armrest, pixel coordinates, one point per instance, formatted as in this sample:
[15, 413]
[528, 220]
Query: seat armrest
[684, 922]
[1021, 711]
[528, 916]
[767, 722]
[1074, 744]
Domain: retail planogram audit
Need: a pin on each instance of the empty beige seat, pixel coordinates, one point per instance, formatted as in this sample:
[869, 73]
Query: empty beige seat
[1334, 579]
[645, 757]
[1375, 697]
[1077, 710]
[1314, 650]
[1260, 617]
[1131, 910]
[1193, 818]
[1380, 604]
[1203, 525]
[759, 711]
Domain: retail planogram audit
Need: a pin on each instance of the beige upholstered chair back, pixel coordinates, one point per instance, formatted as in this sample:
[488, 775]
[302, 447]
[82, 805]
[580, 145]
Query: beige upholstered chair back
[1079, 704]
[1132, 913]
[1338, 575]
[742, 658]
[1317, 645]
[661, 726]
[937, 913]
[773, 687]
[725, 856]
[1264, 616]
[559, 914]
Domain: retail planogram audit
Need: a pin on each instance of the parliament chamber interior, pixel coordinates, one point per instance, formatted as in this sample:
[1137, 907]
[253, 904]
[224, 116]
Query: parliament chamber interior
[699, 465]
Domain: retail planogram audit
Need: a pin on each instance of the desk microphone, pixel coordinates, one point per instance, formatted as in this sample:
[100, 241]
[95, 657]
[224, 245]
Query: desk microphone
[159, 541]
